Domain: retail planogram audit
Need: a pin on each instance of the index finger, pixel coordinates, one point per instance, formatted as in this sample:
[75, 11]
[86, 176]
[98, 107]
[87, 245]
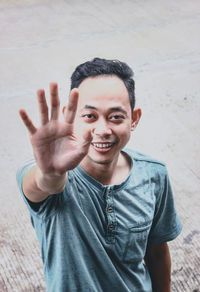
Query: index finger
[70, 111]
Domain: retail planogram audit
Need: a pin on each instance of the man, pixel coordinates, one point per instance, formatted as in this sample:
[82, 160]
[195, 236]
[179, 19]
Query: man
[102, 214]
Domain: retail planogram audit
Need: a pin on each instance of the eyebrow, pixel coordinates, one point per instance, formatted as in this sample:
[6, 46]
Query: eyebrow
[113, 109]
[90, 107]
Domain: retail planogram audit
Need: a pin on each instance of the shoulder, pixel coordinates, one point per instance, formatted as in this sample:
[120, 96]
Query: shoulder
[138, 156]
[23, 168]
[145, 163]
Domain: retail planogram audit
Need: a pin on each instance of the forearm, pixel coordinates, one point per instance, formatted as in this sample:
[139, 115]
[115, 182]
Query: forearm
[159, 265]
[37, 186]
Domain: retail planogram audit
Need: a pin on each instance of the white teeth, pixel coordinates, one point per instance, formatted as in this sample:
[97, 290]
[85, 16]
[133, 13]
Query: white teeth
[102, 145]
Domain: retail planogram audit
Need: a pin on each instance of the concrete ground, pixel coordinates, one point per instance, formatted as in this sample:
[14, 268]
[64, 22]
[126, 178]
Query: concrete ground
[43, 41]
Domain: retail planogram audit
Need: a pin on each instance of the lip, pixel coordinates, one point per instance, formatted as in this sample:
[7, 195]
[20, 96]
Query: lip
[102, 146]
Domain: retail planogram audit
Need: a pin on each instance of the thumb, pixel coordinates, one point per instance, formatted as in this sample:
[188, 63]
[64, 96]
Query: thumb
[85, 141]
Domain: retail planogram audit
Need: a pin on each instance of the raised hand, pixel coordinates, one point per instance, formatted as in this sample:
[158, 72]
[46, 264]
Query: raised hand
[55, 147]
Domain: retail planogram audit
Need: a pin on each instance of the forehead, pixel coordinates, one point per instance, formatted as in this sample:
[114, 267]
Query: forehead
[101, 89]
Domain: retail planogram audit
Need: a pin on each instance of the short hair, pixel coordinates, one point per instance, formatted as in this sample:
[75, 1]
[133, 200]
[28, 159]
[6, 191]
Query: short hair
[98, 66]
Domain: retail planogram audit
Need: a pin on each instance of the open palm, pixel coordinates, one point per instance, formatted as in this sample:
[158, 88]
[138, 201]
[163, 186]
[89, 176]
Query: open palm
[55, 147]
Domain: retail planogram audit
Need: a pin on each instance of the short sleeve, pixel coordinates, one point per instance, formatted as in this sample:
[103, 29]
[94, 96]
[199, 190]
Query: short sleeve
[20, 175]
[44, 208]
[166, 224]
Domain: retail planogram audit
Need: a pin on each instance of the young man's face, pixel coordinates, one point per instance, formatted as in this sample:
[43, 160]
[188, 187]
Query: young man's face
[104, 108]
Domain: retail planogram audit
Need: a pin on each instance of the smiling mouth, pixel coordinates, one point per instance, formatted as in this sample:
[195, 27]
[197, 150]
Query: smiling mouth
[102, 145]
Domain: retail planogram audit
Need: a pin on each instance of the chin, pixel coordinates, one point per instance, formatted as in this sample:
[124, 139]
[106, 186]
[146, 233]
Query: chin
[103, 159]
[102, 162]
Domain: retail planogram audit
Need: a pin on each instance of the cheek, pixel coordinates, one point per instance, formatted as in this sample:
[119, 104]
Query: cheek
[126, 136]
[80, 127]
[124, 132]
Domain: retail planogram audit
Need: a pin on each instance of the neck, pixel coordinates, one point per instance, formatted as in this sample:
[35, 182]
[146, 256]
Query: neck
[110, 173]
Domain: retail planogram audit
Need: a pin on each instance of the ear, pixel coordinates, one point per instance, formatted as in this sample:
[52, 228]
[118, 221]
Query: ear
[63, 110]
[136, 115]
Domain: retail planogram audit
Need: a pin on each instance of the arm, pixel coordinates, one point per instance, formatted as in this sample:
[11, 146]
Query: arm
[158, 261]
[55, 147]
[37, 186]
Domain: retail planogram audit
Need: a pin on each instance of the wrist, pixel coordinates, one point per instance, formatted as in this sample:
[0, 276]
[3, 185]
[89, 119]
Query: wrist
[50, 183]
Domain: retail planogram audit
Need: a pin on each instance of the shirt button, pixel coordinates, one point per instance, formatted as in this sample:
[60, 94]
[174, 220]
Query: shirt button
[110, 209]
[111, 227]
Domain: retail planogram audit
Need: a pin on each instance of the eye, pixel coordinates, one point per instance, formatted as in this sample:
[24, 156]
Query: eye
[117, 117]
[89, 117]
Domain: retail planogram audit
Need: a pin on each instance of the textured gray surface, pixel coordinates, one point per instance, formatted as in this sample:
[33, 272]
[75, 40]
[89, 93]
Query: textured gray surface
[42, 41]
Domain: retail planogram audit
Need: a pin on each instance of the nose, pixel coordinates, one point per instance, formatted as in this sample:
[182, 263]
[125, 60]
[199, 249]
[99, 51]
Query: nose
[101, 128]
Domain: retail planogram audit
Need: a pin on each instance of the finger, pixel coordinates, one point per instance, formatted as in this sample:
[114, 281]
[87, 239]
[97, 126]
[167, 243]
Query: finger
[85, 142]
[27, 122]
[70, 111]
[43, 108]
[55, 101]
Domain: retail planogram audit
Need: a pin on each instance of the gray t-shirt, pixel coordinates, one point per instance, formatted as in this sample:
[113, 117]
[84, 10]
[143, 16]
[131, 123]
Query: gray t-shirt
[93, 237]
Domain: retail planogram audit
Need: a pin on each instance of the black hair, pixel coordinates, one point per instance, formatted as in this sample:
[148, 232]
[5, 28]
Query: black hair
[99, 66]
